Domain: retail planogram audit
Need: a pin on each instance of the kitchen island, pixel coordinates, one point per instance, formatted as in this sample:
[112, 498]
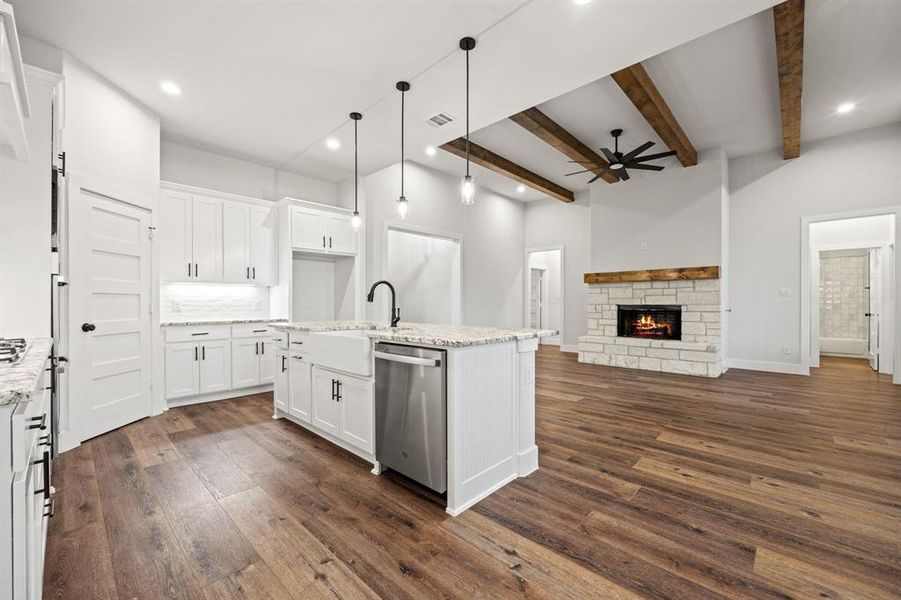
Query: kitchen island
[490, 394]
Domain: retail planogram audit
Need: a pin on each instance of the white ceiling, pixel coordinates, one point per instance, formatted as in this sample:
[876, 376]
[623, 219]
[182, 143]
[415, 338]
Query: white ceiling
[269, 81]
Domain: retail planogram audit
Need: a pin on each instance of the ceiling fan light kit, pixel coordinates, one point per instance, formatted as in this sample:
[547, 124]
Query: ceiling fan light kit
[620, 163]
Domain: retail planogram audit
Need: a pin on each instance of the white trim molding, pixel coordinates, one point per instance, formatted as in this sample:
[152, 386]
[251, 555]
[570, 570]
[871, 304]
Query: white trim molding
[769, 366]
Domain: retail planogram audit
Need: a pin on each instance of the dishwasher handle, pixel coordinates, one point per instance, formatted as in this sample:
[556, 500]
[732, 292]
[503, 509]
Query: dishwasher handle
[409, 360]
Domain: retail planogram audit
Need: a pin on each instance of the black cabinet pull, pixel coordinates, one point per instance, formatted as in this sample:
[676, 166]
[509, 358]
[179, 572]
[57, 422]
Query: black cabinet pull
[46, 489]
[50, 508]
[333, 389]
[195, 353]
[260, 330]
[248, 272]
[201, 333]
[284, 360]
[254, 272]
[256, 348]
[329, 241]
[338, 398]
[38, 422]
[323, 241]
[189, 269]
[203, 352]
[262, 347]
[195, 269]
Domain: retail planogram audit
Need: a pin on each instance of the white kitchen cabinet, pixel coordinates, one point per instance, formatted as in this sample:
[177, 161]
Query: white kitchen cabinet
[248, 240]
[190, 237]
[245, 362]
[300, 384]
[355, 397]
[281, 379]
[268, 361]
[341, 235]
[322, 230]
[308, 229]
[326, 411]
[215, 366]
[182, 372]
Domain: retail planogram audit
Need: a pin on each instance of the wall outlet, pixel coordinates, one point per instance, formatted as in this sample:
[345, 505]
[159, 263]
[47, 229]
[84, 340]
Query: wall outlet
[786, 350]
[644, 245]
[784, 292]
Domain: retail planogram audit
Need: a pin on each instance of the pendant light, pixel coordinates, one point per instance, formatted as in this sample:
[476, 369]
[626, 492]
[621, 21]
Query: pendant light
[467, 187]
[356, 221]
[402, 206]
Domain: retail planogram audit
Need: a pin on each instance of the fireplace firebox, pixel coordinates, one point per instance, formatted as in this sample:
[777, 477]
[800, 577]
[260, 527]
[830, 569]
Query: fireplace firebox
[649, 321]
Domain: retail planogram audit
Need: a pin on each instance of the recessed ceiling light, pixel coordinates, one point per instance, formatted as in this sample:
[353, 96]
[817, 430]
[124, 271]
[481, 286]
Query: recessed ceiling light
[171, 88]
[520, 188]
[431, 151]
[581, 1]
[845, 108]
[332, 144]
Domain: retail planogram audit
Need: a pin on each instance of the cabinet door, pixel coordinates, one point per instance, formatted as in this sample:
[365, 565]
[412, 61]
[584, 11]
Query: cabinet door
[300, 383]
[308, 229]
[206, 226]
[263, 263]
[182, 369]
[341, 235]
[269, 361]
[281, 380]
[356, 402]
[245, 362]
[236, 242]
[215, 366]
[326, 411]
[174, 237]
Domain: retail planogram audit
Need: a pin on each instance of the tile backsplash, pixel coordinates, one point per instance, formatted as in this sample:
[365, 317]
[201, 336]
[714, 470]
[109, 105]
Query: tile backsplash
[192, 301]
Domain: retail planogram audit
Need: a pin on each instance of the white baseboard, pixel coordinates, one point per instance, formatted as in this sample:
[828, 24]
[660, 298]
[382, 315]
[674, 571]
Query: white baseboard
[224, 395]
[769, 366]
[569, 348]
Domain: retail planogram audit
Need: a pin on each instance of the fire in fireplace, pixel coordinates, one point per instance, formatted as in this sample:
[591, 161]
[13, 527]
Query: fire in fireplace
[656, 322]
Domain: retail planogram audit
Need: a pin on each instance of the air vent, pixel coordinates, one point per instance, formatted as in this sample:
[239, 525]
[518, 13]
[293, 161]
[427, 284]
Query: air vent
[439, 120]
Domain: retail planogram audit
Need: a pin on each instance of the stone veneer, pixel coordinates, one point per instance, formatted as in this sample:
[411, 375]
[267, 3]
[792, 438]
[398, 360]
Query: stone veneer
[699, 352]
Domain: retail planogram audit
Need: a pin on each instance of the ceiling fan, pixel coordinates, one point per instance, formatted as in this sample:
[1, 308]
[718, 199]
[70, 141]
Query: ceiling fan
[619, 162]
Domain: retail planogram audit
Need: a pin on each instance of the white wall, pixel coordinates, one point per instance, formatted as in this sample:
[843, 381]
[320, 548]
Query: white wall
[551, 309]
[676, 212]
[549, 223]
[491, 232]
[108, 136]
[769, 196]
[191, 166]
[425, 270]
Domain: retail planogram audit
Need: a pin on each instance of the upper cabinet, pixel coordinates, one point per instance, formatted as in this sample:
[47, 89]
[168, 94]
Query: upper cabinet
[206, 239]
[14, 108]
[325, 230]
[248, 236]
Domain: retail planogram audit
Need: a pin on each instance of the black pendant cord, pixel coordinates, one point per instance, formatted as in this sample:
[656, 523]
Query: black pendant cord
[467, 113]
[402, 95]
[356, 176]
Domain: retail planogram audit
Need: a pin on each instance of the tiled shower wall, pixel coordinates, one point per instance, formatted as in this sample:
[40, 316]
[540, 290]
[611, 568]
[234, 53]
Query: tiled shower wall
[192, 301]
[843, 295]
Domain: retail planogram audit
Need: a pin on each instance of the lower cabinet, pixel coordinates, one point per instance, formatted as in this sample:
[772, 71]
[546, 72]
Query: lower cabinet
[281, 380]
[197, 368]
[253, 363]
[300, 392]
[343, 406]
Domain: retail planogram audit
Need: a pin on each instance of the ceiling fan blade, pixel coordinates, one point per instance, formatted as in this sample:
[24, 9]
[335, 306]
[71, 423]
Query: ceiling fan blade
[644, 167]
[609, 155]
[578, 172]
[637, 151]
[654, 156]
[593, 179]
[623, 174]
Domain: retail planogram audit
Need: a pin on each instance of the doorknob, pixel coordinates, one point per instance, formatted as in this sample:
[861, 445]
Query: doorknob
[86, 327]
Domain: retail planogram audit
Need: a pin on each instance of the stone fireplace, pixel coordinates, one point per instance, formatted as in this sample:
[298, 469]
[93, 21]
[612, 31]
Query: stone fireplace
[660, 320]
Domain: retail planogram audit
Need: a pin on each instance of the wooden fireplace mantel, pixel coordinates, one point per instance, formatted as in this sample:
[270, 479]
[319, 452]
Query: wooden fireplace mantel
[654, 275]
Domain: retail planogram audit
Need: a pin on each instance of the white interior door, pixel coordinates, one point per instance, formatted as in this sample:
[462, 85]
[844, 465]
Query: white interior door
[875, 294]
[535, 297]
[110, 345]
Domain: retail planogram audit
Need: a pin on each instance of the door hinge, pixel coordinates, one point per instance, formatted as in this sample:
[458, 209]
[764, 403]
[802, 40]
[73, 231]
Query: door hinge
[150, 230]
[61, 169]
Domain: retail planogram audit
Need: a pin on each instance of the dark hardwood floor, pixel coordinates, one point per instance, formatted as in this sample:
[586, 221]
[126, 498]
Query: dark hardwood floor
[651, 486]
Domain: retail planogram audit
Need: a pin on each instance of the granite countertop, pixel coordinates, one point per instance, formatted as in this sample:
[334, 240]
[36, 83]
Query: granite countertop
[19, 379]
[427, 334]
[218, 322]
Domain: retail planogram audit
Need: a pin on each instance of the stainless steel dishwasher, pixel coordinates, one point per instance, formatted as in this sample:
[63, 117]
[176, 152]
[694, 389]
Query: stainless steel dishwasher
[411, 412]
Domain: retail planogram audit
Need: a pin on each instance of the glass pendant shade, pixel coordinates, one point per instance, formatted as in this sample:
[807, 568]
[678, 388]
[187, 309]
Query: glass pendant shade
[467, 191]
[402, 207]
[356, 221]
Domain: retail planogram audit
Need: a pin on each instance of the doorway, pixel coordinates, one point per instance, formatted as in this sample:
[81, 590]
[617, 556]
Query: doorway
[852, 278]
[544, 291]
[424, 268]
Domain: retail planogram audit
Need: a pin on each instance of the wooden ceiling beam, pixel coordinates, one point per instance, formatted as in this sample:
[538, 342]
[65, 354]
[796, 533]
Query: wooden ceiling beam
[494, 162]
[546, 129]
[788, 18]
[637, 85]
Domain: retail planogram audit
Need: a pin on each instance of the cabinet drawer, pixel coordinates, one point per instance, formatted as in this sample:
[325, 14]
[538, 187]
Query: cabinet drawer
[299, 342]
[279, 339]
[187, 333]
[27, 420]
[252, 330]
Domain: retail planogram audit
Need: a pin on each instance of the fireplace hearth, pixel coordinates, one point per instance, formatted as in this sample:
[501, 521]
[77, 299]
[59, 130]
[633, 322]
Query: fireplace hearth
[649, 321]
